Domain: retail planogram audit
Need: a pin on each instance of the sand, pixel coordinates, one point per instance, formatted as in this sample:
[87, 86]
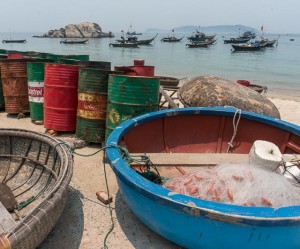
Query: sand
[86, 221]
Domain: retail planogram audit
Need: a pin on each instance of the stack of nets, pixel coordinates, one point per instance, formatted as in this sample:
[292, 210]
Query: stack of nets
[245, 185]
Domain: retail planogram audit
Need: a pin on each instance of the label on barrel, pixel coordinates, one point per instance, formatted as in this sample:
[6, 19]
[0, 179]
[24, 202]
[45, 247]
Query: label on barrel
[92, 106]
[36, 92]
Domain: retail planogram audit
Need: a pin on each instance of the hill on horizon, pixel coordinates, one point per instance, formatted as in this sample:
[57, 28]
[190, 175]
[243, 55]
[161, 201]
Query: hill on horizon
[208, 29]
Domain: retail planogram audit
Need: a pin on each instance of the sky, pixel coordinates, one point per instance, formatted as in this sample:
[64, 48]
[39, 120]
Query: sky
[277, 16]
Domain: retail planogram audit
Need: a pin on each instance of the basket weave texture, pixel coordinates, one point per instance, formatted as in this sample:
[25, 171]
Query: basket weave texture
[34, 164]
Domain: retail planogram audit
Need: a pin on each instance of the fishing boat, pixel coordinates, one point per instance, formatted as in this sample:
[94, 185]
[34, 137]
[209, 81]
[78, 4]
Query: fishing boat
[248, 34]
[74, 41]
[200, 36]
[237, 40]
[133, 33]
[171, 39]
[134, 39]
[255, 87]
[14, 41]
[198, 44]
[35, 172]
[178, 141]
[268, 43]
[247, 47]
[124, 45]
[201, 44]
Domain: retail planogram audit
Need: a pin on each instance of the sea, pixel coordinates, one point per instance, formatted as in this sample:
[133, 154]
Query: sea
[277, 67]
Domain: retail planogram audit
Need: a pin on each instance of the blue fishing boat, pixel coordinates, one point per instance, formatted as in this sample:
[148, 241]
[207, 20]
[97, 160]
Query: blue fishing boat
[192, 222]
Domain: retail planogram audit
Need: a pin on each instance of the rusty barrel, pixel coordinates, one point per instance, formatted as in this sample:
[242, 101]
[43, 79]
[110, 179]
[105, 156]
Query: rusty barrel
[147, 71]
[1, 94]
[139, 62]
[35, 76]
[60, 96]
[15, 86]
[88, 64]
[130, 96]
[92, 104]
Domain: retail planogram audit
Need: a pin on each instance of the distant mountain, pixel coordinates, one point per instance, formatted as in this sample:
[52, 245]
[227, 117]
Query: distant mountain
[209, 29]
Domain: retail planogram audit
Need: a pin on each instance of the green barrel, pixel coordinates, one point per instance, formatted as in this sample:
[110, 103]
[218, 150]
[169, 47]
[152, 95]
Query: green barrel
[81, 57]
[130, 96]
[105, 65]
[35, 76]
[64, 60]
[92, 104]
[54, 57]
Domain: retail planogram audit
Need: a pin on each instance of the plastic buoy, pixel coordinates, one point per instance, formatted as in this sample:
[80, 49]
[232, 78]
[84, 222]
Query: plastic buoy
[265, 155]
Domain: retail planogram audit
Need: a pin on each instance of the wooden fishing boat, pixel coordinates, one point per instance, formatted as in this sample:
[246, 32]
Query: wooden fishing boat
[200, 37]
[171, 39]
[258, 88]
[134, 39]
[237, 40]
[14, 41]
[178, 141]
[269, 43]
[124, 45]
[133, 33]
[35, 171]
[247, 47]
[248, 34]
[201, 44]
[74, 41]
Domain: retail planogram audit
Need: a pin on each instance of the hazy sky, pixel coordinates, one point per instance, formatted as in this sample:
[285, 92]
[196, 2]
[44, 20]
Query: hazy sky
[282, 16]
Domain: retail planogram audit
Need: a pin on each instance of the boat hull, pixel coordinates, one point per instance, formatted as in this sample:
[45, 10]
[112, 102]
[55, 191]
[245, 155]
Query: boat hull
[192, 222]
[246, 48]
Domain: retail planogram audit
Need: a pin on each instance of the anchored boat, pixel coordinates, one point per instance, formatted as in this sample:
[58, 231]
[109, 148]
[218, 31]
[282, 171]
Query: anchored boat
[14, 41]
[178, 141]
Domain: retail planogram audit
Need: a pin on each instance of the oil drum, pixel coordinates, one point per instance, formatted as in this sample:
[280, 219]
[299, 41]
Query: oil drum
[60, 96]
[15, 86]
[35, 75]
[92, 104]
[130, 96]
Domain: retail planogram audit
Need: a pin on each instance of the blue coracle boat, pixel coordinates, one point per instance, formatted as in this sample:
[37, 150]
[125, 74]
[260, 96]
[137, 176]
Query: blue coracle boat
[192, 222]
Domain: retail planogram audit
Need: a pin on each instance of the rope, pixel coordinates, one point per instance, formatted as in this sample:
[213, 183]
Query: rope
[129, 159]
[235, 122]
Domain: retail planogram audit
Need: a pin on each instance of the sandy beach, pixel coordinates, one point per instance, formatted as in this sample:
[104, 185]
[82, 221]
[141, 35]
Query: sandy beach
[86, 221]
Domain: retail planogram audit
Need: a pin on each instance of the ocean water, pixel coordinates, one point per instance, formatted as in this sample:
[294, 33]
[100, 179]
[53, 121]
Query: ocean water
[277, 67]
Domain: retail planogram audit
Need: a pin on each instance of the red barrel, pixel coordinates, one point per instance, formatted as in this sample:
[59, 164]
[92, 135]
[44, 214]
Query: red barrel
[60, 96]
[139, 69]
[147, 71]
[139, 62]
[244, 82]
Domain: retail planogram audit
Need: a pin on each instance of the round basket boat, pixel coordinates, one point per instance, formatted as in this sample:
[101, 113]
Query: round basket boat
[35, 171]
[203, 133]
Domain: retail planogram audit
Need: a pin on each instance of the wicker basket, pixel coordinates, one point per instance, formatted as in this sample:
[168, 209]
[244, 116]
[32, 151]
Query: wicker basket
[38, 169]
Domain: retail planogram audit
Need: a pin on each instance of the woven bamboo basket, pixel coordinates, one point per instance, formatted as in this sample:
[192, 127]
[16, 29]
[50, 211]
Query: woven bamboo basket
[35, 171]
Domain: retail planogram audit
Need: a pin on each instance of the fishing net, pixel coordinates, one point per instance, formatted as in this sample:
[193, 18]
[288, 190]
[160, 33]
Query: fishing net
[239, 184]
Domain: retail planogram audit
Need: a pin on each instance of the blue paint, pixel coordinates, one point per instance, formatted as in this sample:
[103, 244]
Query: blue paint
[204, 224]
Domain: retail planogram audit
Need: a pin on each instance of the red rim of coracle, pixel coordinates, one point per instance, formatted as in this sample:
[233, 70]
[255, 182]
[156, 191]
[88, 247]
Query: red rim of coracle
[243, 82]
